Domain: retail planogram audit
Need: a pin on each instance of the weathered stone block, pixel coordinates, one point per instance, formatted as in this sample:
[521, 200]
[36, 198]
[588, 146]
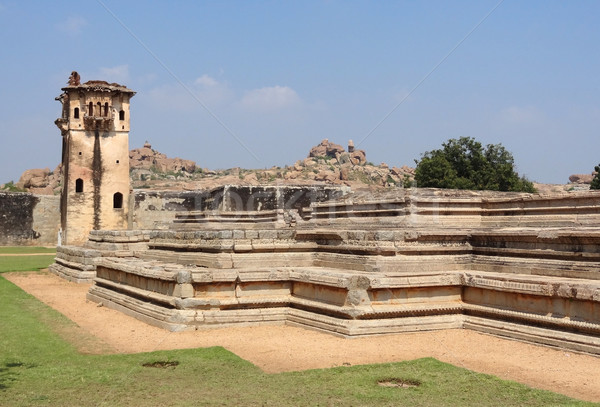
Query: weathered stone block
[267, 234]
[386, 235]
[286, 234]
[225, 234]
[251, 234]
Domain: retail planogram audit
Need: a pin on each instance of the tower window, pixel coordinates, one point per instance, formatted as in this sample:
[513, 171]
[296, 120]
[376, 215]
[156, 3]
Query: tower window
[90, 109]
[118, 200]
[106, 109]
[122, 115]
[99, 109]
[78, 185]
[76, 113]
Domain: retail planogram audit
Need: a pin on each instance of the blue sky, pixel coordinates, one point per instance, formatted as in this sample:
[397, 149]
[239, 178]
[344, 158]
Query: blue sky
[270, 79]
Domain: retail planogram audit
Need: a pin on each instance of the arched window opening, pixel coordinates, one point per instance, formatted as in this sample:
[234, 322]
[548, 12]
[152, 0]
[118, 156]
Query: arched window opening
[118, 200]
[91, 109]
[122, 115]
[106, 109]
[76, 113]
[99, 109]
[78, 185]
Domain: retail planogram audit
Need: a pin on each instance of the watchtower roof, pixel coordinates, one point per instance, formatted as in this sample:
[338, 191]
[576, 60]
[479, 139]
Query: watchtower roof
[101, 86]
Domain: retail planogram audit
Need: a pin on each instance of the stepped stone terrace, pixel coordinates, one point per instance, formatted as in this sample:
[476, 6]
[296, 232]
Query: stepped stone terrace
[515, 265]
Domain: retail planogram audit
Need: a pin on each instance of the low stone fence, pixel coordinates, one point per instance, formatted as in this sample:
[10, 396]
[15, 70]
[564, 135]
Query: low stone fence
[463, 209]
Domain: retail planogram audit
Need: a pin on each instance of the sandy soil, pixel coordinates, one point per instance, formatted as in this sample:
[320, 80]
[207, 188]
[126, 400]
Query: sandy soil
[284, 348]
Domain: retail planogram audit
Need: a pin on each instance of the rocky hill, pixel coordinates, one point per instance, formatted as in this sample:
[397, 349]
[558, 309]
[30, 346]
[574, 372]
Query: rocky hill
[326, 163]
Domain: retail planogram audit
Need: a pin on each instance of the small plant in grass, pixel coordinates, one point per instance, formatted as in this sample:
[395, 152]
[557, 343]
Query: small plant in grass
[163, 364]
[401, 383]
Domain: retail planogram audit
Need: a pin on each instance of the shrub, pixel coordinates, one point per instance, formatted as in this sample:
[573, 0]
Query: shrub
[465, 164]
[596, 181]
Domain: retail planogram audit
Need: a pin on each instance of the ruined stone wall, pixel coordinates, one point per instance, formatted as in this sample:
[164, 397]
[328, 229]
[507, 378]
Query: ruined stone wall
[28, 219]
[252, 198]
[158, 209]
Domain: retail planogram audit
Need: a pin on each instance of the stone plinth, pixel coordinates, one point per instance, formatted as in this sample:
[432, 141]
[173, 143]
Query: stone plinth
[372, 267]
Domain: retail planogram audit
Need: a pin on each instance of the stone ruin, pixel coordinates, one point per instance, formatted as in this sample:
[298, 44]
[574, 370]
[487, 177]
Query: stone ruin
[515, 265]
[521, 266]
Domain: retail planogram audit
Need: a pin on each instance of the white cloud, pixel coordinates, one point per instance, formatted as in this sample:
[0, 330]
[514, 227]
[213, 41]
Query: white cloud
[522, 115]
[206, 81]
[270, 98]
[72, 25]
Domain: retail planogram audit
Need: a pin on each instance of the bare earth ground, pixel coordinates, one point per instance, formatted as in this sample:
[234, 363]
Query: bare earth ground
[284, 348]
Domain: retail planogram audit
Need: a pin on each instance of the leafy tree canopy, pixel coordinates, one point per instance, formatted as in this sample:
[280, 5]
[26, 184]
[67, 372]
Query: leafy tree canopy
[465, 164]
[596, 181]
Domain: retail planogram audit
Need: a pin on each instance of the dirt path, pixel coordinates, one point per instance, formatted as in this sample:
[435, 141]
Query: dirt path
[284, 348]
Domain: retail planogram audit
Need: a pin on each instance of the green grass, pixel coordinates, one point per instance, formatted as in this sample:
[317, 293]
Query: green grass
[25, 249]
[39, 368]
[25, 262]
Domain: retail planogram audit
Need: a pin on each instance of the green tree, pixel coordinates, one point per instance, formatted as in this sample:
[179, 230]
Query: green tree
[465, 164]
[596, 181]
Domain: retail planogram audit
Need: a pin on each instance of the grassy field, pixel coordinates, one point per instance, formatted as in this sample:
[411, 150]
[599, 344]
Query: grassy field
[30, 259]
[39, 368]
[25, 262]
[26, 250]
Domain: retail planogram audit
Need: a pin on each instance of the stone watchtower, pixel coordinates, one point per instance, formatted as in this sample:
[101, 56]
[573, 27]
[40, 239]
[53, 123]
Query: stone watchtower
[95, 157]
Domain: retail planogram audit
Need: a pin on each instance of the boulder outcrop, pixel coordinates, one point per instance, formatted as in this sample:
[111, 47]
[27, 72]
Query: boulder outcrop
[326, 149]
[147, 158]
[581, 178]
[40, 181]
